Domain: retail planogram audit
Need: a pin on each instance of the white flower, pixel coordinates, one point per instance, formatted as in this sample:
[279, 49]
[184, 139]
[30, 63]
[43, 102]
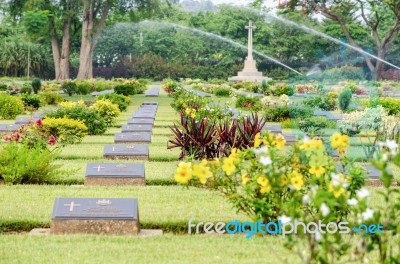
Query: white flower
[306, 199]
[393, 146]
[284, 219]
[368, 214]
[335, 180]
[318, 236]
[324, 209]
[362, 193]
[314, 189]
[265, 161]
[352, 201]
[385, 157]
[260, 151]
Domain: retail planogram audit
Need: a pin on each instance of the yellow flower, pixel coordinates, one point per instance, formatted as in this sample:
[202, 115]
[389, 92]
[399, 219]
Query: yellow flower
[284, 180]
[202, 172]
[317, 170]
[297, 180]
[265, 189]
[245, 179]
[187, 111]
[184, 173]
[280, 141]
[336, 191]
[269, 140]
[257, 140]
[214, 162]
[235, 154]
[316, 143]
[228, 166]
[262, 181]
[193, 115]
[340, 142]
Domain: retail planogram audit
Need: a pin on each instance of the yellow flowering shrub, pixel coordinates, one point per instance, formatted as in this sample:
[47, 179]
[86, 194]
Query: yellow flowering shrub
[272, 181]
[66, 130]
[106, 109]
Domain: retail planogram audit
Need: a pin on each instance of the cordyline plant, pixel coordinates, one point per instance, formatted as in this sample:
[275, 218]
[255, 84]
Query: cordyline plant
[239, 133]
[206, 138]
[196, 138]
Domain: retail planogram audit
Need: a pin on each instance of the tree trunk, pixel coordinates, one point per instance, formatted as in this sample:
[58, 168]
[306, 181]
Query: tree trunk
[379, 66]
[90, 36]
[56, 54]
[65, 50]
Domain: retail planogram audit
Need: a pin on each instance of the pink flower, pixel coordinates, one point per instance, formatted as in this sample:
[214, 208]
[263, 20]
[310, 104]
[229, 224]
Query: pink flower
[6, 138]
[39, 123]
[15, 136]
[247, 104]
[52, 140]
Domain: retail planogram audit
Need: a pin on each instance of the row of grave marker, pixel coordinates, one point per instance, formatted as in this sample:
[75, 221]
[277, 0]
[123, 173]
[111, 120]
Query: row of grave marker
[115, 216]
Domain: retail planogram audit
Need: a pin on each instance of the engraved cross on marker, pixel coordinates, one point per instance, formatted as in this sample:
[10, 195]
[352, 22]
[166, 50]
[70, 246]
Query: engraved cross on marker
[98, 168]
[71, 206]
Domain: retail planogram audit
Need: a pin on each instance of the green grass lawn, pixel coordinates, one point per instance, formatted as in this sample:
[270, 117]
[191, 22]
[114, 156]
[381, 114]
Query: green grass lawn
[162, 205]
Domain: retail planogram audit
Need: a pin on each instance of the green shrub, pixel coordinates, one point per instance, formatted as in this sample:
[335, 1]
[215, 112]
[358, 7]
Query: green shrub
[83, 87]
[26, 88]
[31, 101]
[36, 85]
[3, 87]
[222, 92]
[313, 124]
[66, 130]
[20, 163]
[280, 89]
[10, 106]
[125, 89]
[50, 98]
[277, 114]
[345, 99]
[94, 122]
[118, 99]
[327, 102]
[391, 105]
[69, 88]
[250, 103]
[300, 112]
[106, 109]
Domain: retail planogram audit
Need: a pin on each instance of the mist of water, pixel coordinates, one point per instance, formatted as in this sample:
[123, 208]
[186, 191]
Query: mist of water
[325, 36]
[215, 36]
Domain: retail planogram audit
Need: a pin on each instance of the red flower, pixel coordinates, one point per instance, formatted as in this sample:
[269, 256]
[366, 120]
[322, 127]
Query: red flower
[15, 136]
[52, 140]
[7, 138]
[39, 123]
[247, 105]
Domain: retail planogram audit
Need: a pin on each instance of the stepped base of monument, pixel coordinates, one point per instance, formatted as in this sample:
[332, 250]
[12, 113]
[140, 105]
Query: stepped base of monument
[249, 78]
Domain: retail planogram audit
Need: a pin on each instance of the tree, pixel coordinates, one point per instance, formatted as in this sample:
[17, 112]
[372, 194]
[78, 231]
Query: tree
[381, 17]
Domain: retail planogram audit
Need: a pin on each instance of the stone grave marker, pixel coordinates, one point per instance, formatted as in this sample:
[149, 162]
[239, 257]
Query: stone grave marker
[114, 174]
[321, 113]
[142, 121]
[126, 152]
[9, 127]
[38, 115]
[144, 115]
[25, 120]
[153, 92]
[290, 138]
[111, 216]
[334, 117]
[275, 129]
[150, 103]
[135, 137]
[137, 128]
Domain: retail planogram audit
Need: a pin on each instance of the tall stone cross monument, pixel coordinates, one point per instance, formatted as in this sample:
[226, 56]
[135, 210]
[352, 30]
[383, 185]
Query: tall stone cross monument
[250, 72]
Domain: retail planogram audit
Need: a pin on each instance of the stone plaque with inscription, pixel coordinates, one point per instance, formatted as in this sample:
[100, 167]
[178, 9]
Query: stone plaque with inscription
[25, 120]
[126, 152]
[144, 115]
[153, 92]
[114, 174]
[9, 127]
[276, 129]
[143, 110]
[112, 216]
[150, 103]
[141, 121]
[290, 138]
[133, 137]
[137, 128]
